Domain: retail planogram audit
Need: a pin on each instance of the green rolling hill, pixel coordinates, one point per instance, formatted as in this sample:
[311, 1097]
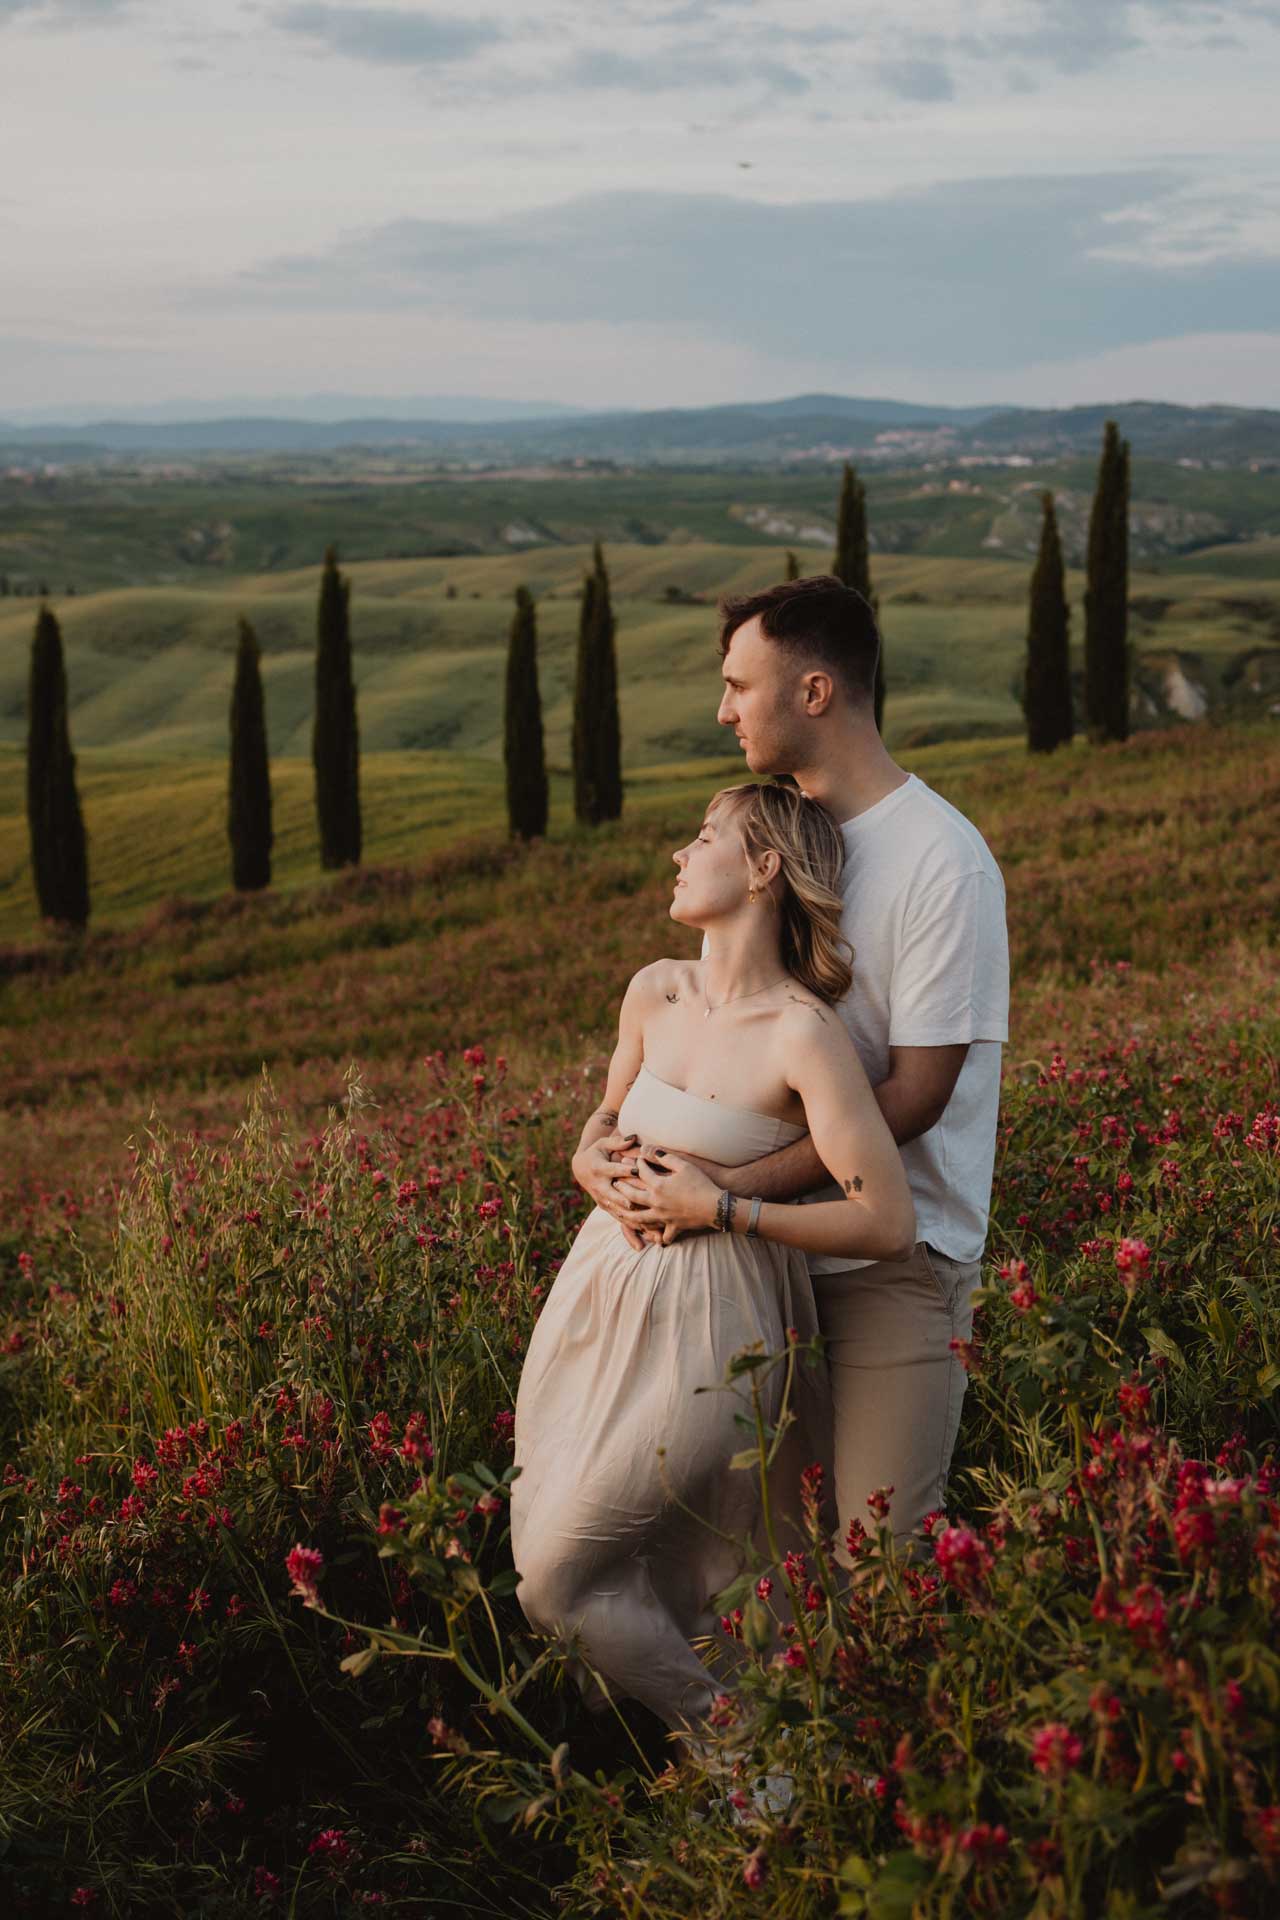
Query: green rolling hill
[150, 668]
[150, 671]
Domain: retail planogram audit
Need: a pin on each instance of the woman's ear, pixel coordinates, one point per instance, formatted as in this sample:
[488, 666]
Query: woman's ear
[768, 867]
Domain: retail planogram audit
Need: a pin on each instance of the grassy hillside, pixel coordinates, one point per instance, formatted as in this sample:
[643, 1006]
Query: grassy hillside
[1067, 1706]
[1132, 854]
[150, 668]
[158, 827]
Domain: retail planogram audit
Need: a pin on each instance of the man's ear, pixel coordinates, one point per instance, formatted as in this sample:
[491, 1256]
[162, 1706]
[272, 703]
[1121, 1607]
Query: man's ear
[817, 689]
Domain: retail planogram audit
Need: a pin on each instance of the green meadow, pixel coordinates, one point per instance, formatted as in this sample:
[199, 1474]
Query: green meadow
[147, 521]
[150, 677]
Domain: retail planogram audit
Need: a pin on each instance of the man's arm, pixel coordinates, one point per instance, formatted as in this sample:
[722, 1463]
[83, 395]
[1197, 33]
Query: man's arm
[912, 1097]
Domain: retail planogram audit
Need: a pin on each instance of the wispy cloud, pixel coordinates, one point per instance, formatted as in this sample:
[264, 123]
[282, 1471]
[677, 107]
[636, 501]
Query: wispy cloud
[975, 273]
[917, 79]
[677, 67]
[64, 13]
[388, 36]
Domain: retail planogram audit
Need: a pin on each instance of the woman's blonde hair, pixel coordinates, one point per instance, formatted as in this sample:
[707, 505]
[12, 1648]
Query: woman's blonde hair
[782, 820]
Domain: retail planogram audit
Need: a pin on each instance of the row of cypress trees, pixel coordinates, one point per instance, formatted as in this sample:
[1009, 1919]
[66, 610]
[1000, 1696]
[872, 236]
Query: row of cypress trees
[58, 845]
[1047, 694]
[59, 851]
[335, 744]
[597, 733]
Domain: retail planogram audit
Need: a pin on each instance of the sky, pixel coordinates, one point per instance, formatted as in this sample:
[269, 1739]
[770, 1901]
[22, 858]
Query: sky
[605, 203]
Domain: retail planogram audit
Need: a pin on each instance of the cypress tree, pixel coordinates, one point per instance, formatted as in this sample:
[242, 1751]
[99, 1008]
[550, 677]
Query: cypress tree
[522, 726]
[852, 563]
[793, 567]
[1046, 699]
[335, 746]
[1106, 599]
[249, 803]
[597, 744]
[59, 857]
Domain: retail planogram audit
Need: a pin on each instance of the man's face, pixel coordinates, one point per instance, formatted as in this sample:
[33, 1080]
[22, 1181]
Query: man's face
[763, 702]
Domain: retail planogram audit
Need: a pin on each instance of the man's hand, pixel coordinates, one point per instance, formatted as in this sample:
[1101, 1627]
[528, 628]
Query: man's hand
[723, 1176]
[596, 1168]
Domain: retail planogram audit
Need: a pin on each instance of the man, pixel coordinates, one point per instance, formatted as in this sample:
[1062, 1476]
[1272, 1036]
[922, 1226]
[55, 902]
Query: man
[928, 1012]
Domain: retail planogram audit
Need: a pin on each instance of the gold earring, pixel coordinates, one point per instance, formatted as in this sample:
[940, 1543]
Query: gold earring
[751, 896]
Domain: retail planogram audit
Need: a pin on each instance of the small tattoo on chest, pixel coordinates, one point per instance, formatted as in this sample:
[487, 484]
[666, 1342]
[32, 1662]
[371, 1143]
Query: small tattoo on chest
[854, 1185]
[672, 998]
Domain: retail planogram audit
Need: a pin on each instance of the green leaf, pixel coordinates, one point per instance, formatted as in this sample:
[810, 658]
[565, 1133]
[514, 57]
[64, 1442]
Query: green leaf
[1030, 1393]
[747, 1363]
[468, 1483]
[902, 1878]
[1223, 1322]
[749, 1457]
[505, 1581]
[1162, 1343]
[359, 1662]
[504, 1807]
[757, 1625]
[857, 1872]
[734, 1595]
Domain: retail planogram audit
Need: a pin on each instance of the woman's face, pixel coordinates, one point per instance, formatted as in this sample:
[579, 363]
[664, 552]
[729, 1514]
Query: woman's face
[714, 877]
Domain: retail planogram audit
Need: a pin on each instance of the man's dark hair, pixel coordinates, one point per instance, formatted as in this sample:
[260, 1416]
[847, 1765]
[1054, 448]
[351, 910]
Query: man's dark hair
[818, 619]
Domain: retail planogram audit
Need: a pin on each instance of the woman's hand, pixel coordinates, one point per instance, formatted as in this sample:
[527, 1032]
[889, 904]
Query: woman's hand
[671, 1196]
[599, 1169]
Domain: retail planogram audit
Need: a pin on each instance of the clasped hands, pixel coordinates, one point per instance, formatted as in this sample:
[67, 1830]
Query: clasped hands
[653, 1194]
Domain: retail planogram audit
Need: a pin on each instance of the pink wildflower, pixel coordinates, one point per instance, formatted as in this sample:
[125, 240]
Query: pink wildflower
[304, 1566]
[1055, 1750]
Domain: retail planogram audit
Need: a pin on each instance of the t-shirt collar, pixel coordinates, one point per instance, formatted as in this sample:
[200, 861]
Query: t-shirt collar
[879, 809]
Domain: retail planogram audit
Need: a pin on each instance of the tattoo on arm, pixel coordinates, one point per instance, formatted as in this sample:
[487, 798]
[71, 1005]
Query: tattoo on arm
[607, 1114]
[854, 1185]
[808, 1004]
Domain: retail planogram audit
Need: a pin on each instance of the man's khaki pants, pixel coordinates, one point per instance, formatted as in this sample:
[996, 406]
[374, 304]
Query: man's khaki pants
[896, 1385]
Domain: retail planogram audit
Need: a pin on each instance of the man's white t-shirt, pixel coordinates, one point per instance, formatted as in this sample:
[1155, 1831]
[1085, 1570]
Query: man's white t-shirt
[924, 912]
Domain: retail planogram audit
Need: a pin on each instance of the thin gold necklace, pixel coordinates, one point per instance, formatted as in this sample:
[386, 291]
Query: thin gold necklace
[715, 1006]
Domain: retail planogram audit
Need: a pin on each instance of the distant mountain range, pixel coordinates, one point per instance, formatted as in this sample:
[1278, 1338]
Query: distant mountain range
[807, 427]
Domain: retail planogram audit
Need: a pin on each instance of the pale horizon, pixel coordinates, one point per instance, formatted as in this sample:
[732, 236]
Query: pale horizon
[322, 408]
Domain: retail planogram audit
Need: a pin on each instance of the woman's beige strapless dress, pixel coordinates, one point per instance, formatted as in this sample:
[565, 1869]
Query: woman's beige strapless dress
[625, 1497]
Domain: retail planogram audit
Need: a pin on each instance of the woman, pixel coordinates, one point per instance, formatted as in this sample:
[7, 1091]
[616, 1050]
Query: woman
[627, 1513]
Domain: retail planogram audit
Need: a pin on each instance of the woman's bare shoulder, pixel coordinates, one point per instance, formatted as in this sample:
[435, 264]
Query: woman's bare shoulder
[801, 1013]
[666, 980]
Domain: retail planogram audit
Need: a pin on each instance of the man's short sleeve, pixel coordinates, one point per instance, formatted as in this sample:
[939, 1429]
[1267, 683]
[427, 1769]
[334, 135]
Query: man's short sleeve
[951, 969]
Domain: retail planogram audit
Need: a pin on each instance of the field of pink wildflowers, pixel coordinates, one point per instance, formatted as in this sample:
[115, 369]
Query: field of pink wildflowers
[261, 1648]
